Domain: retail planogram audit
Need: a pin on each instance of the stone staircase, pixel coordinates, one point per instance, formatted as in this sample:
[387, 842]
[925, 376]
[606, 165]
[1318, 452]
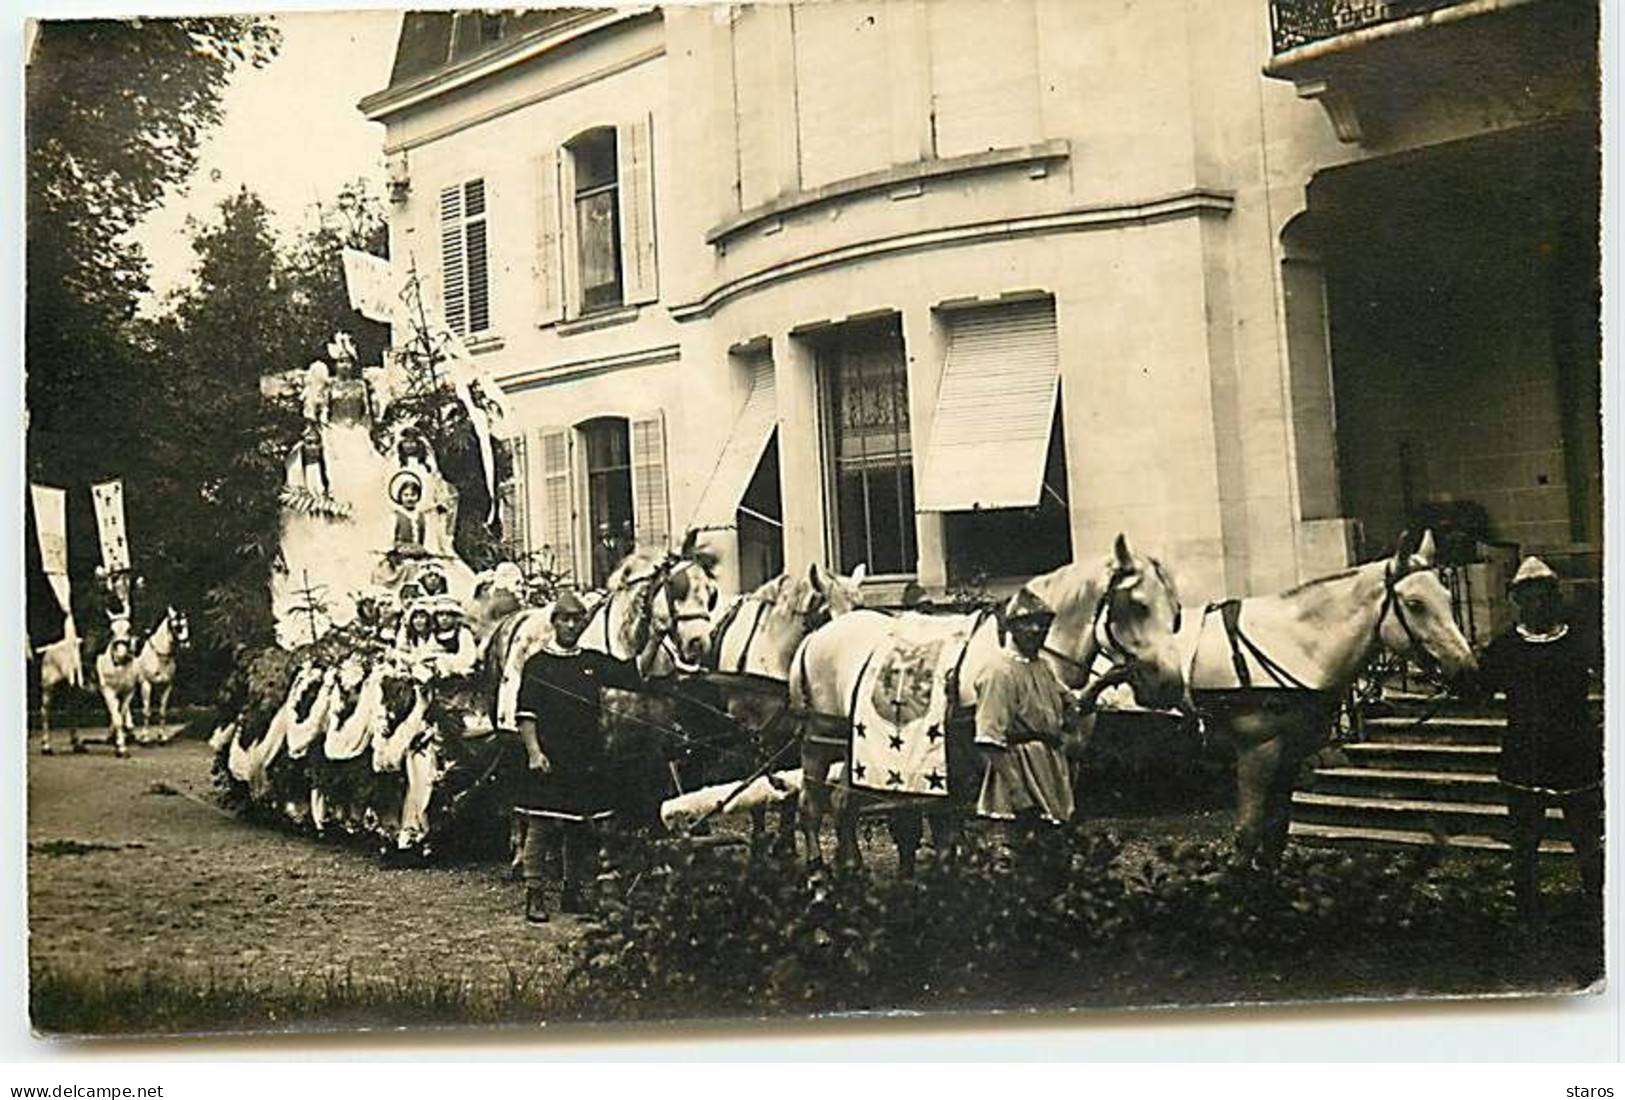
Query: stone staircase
[1414, 784]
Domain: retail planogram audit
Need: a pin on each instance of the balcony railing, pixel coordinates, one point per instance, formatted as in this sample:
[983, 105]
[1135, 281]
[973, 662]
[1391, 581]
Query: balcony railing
[1296, 23]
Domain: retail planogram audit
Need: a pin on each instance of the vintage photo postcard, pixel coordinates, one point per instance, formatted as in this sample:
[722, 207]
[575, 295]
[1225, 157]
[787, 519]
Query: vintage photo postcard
[611, 514]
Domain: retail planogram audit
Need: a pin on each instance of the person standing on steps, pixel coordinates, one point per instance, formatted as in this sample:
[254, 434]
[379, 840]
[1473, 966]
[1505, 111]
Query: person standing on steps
[1551, 753]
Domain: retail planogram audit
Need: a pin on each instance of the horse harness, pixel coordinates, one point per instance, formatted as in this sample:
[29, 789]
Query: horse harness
[1288, 691]
[660, 581]
[816, 615]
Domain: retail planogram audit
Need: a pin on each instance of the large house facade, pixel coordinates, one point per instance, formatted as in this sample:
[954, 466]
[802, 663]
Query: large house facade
[959, 289]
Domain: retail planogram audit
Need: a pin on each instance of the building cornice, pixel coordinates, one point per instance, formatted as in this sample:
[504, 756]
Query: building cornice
[1026, 156]
[1188, 203]
[519, 104]
[381, 105]
[536, 377]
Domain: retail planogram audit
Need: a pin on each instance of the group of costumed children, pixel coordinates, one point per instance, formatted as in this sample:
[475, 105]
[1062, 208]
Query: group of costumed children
[319, 733]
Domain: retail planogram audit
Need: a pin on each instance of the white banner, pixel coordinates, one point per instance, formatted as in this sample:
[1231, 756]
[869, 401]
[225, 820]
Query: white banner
[108, 497]
[372, 288]
[51, 524]
[51, 520]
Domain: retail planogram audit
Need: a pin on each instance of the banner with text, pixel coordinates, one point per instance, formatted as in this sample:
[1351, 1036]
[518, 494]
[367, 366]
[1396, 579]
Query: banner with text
[108, 497]
[51, 523]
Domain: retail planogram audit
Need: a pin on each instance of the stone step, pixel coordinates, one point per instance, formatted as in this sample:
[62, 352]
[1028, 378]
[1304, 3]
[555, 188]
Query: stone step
[1455, 729]
[1422, 755]
[1407, 783]
[1362, 836]
[1411, 814]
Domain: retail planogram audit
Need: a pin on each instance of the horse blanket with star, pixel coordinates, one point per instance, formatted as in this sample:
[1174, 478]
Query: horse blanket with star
[899, 717]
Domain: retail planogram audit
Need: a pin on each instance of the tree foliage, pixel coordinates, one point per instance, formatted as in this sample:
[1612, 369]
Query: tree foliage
[116, 111]
[253, 309]
[171, 404]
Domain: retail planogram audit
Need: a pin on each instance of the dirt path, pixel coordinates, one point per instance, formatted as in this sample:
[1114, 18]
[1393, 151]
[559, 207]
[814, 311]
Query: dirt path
[124, 881]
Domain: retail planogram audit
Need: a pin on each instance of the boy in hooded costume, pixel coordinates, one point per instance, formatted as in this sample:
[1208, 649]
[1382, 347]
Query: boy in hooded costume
[1552, 750]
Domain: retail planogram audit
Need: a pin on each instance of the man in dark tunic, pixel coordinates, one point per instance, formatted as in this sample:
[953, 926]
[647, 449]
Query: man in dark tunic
[1552, 750]
[557, 715]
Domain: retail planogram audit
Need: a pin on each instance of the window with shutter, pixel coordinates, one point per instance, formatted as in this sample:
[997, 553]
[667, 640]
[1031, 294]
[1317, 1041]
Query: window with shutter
[558, 502]
[464, 258]
[514, 501]
[651, 502]
[597, 212]
[636, 173]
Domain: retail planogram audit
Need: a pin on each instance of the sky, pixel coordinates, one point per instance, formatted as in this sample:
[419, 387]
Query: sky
[291, 133]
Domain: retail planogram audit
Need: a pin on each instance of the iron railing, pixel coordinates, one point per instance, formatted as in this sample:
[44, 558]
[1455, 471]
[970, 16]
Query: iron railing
[1298, 22]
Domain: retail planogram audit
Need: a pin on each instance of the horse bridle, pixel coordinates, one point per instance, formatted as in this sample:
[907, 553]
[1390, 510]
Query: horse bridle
[659, 581]
[1391, 602]
[1101, 632]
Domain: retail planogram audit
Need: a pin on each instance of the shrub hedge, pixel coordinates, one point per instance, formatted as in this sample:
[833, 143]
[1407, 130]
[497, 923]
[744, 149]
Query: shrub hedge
[1043, 921]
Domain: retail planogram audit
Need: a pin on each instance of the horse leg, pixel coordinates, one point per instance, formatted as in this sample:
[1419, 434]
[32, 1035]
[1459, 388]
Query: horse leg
[945, 835]
[45, 719]
[784, 842]
[906, 826]
[815, 768]
[1256, 768]
[1278, 812]
[848, 853]
[146, 703]
[163, 704]
[121, 722]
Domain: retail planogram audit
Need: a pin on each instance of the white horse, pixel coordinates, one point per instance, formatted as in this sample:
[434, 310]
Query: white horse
[118, 679]
[1269, 672]
[60, 665]
[1126, 609]
[156, 664]
[673, 596]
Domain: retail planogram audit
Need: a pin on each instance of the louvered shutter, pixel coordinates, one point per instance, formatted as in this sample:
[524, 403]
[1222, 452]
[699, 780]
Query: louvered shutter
[558, 498]
[549, 241]
[635, 171]
[516, 501]
[990, 432]
[453, 274]
[569, 272]
[476, 256]
[651, 506]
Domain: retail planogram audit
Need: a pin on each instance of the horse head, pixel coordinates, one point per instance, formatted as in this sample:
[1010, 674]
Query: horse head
[761, 630]
[670, 596]
[180, 628]
[839, 594]
[1416, 620]
[690, 599]
[1128, 611]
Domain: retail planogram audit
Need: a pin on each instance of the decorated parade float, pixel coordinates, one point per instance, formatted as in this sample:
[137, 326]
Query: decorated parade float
[371, 716]
[384, 710]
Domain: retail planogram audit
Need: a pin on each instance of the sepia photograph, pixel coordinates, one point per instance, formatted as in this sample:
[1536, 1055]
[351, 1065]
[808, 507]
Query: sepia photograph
[760, 512]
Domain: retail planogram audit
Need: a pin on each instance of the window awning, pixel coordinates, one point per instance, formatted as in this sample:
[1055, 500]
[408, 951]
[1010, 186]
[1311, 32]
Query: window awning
[743, 451]
[990, 434]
